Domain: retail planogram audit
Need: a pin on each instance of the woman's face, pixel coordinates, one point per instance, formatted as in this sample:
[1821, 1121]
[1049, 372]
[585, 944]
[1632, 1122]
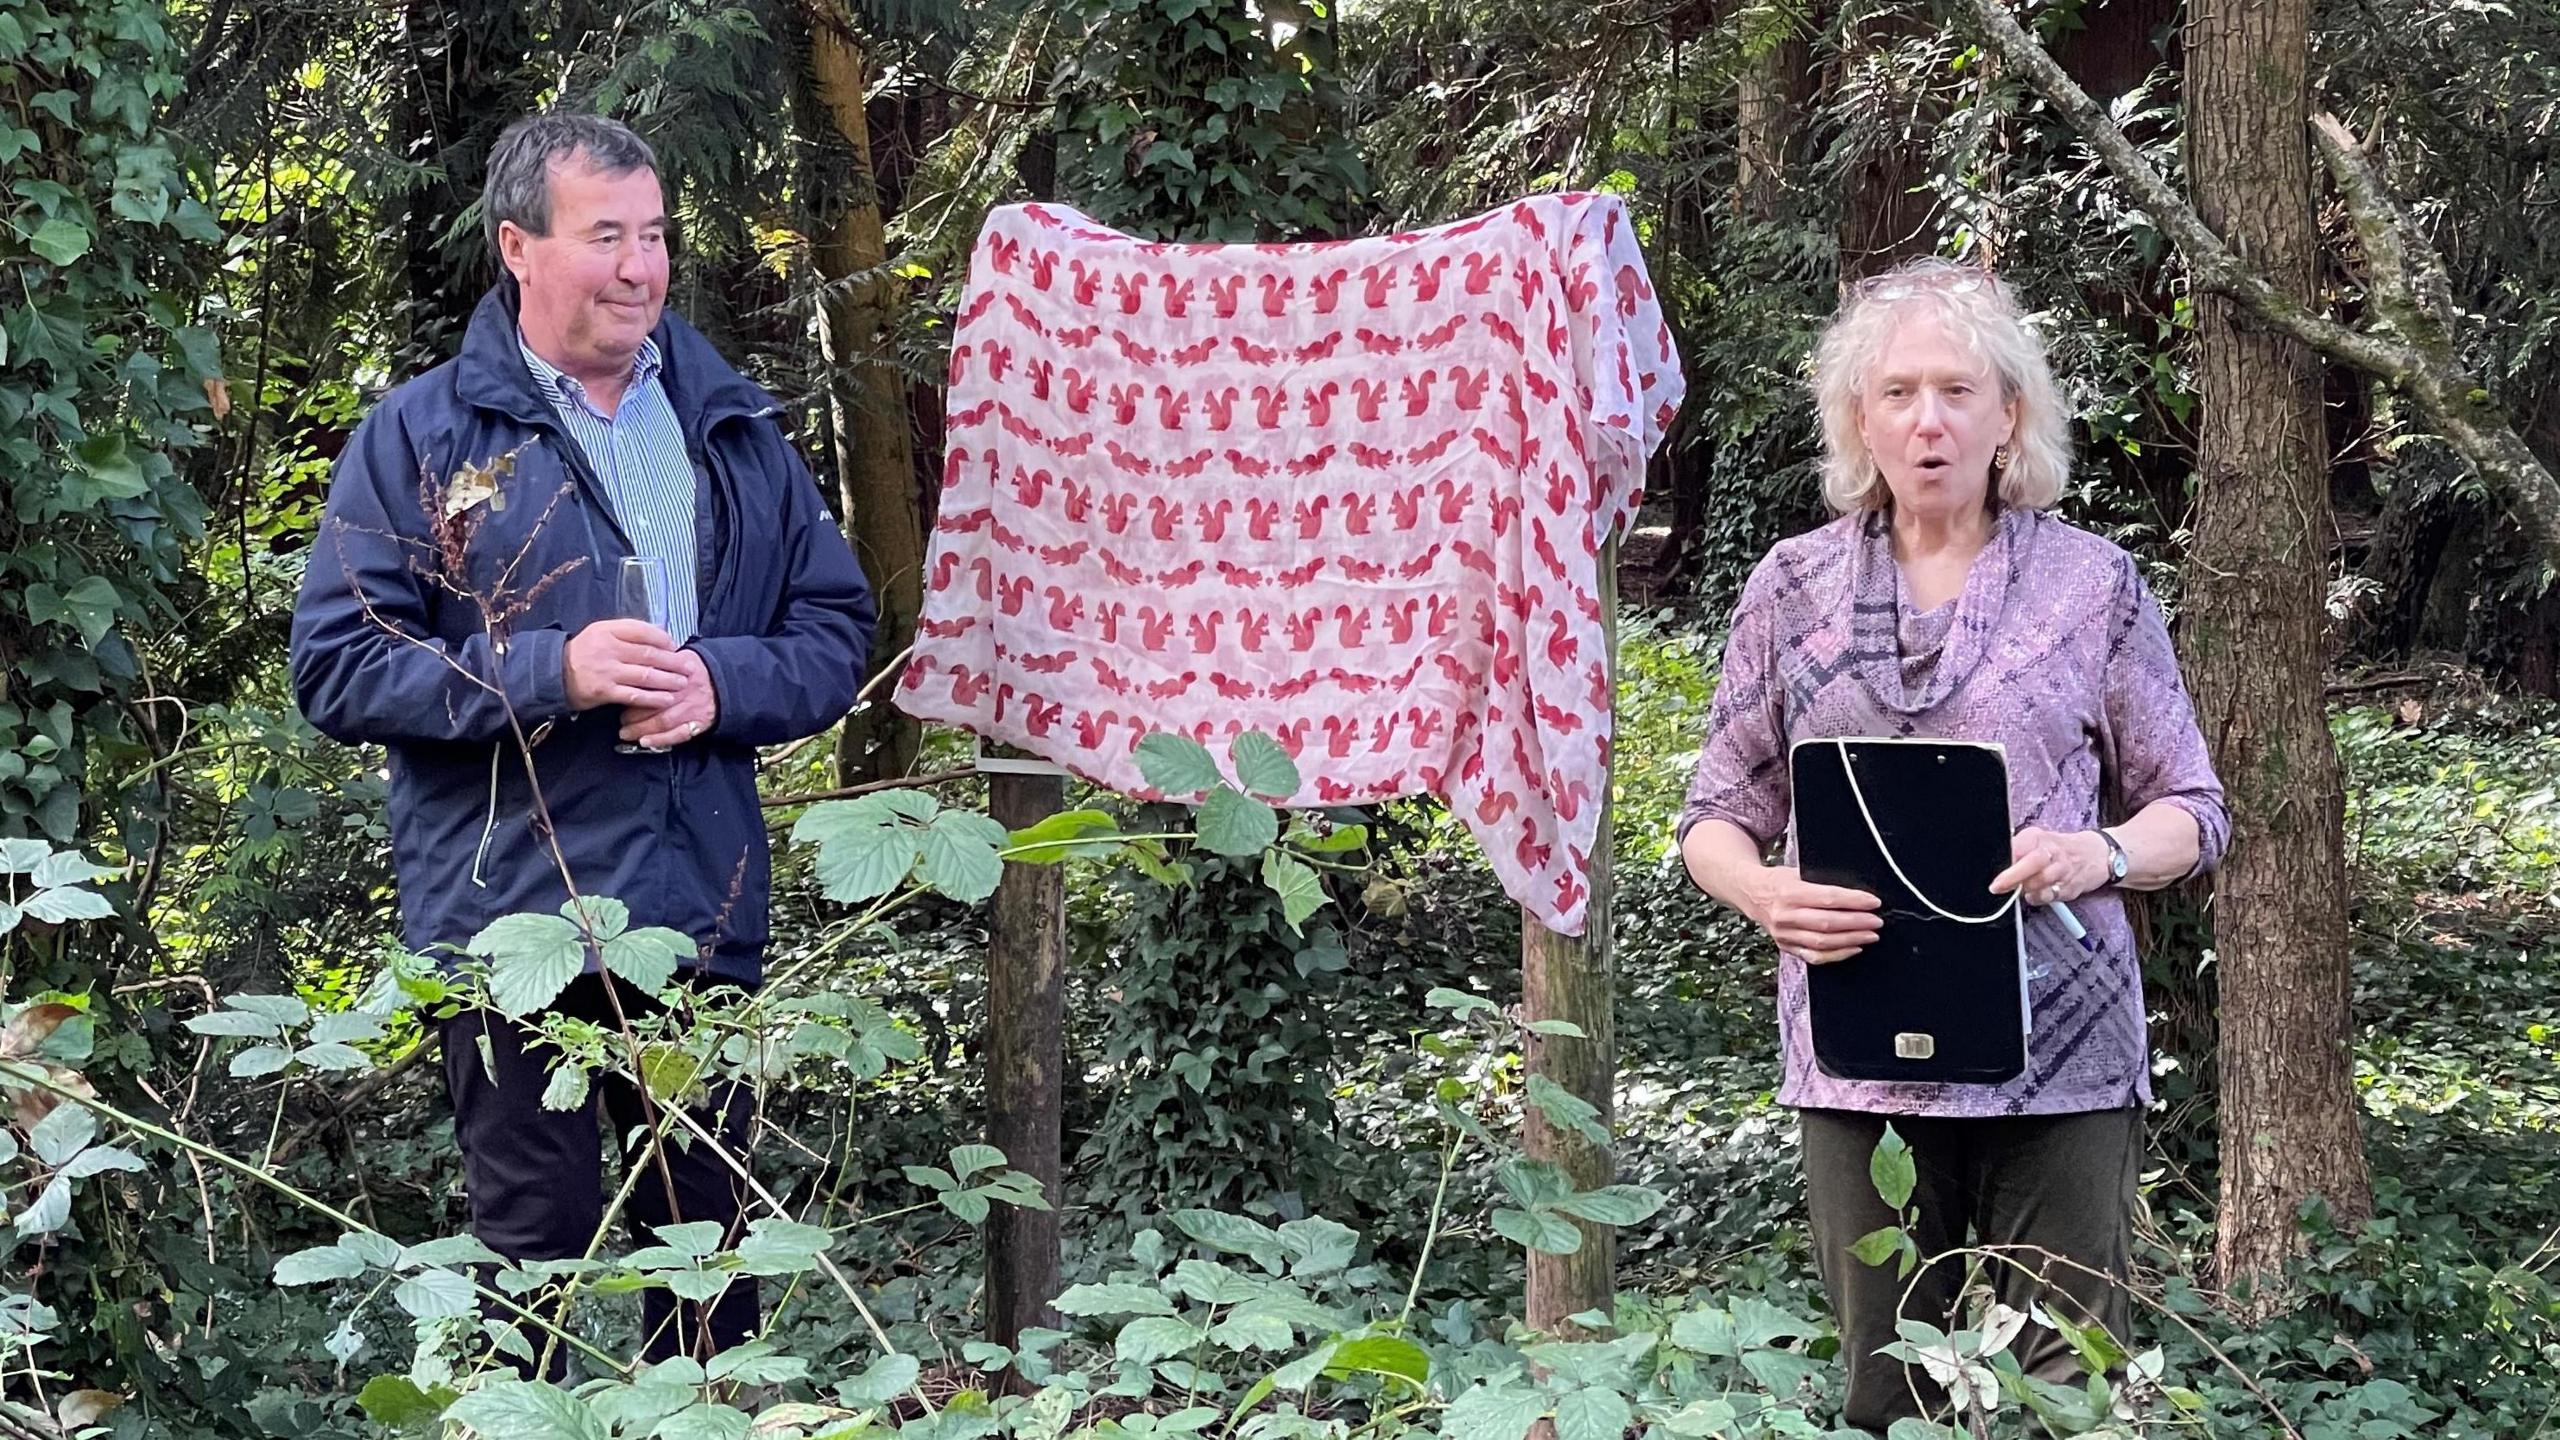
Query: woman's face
[1932, 414]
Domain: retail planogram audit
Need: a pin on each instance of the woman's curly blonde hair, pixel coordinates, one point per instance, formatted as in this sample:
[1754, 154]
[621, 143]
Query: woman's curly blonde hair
[1980, 314]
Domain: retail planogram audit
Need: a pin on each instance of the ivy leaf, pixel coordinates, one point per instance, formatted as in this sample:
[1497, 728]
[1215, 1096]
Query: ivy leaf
[62, 240]
[532, 958]
[1262, 767]
[1592, 1413]
[88, 607]
[1177, 764]
[961, 856]
[1300, 889]
[113, 472]
[1235, 824]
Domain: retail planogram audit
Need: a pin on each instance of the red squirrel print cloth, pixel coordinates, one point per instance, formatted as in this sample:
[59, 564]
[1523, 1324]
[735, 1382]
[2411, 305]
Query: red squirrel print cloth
[1351, 494]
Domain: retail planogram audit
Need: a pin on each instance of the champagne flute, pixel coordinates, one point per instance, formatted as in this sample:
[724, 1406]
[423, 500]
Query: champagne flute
[641, 594]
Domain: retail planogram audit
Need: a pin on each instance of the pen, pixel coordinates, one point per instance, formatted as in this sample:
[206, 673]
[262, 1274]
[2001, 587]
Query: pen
[2072, 923]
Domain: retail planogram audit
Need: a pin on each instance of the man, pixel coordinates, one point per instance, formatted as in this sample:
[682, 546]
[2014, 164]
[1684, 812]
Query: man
[461, 605]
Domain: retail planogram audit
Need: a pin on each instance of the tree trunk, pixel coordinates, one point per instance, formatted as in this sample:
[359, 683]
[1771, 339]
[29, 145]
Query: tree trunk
[1026, 1005]
[461, 60]
[2117, 45]
[866, 394]
[2256, 649]
[1575, 979]
[1886, 217]
[2409, 539]
[1769, 113]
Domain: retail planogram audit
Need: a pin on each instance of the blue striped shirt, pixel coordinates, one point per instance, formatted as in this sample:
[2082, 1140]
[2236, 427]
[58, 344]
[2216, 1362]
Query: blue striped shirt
[638, 452]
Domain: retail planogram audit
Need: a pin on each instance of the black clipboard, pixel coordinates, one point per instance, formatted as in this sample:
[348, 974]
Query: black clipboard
[1934, 998]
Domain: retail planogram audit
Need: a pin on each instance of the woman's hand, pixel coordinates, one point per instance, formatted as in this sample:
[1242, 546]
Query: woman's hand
[1822, 923]
[2050, 866]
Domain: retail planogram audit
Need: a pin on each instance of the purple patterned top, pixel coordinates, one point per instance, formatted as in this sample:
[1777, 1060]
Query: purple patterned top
[2055, 650]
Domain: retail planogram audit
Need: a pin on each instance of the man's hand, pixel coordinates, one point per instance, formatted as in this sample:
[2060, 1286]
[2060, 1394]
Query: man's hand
[2051, 866]
[690, 712]
[621, 662]
[1822, 923]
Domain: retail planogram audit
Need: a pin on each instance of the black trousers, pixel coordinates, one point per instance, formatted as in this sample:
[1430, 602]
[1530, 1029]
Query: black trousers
[535, 1177]
[2063, 1183]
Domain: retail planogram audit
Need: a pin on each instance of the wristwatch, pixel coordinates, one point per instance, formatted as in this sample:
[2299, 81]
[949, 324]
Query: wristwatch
[2117, 861]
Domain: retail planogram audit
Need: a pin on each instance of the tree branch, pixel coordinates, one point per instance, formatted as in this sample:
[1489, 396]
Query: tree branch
[2407, 281]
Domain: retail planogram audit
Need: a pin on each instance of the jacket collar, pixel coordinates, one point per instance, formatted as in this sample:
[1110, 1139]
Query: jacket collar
[701, 387]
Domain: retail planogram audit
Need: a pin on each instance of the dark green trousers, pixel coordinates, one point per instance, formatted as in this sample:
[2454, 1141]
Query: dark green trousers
[2064, 1183]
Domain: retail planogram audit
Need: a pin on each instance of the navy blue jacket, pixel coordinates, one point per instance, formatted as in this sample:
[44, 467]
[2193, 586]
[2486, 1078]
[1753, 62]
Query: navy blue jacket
[786, 625]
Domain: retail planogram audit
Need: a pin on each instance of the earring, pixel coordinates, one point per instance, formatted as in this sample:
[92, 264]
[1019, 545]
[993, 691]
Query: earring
[2000, 458]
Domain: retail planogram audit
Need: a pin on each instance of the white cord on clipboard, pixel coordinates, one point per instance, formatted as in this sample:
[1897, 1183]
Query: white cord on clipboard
[2026, 1006]
[1860, 795]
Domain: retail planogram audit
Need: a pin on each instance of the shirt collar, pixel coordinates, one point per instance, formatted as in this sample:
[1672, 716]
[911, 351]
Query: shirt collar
[561, 388]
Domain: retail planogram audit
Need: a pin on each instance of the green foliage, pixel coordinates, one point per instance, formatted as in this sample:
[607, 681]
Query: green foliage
[1219, 1036]
[102, 385]
[1206, 120]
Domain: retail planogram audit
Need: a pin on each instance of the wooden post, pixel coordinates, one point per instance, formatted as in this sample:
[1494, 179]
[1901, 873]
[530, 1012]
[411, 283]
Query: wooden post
[1576, 979]
[1026, 1003]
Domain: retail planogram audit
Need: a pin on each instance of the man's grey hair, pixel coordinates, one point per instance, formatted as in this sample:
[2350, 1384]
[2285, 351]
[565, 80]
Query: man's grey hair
[519, 184]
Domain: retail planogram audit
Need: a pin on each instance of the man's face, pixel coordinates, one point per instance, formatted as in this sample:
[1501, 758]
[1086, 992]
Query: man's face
[593, 287]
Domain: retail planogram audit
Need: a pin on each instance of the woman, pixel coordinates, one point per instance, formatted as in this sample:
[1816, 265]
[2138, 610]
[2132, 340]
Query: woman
[1945, 602]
